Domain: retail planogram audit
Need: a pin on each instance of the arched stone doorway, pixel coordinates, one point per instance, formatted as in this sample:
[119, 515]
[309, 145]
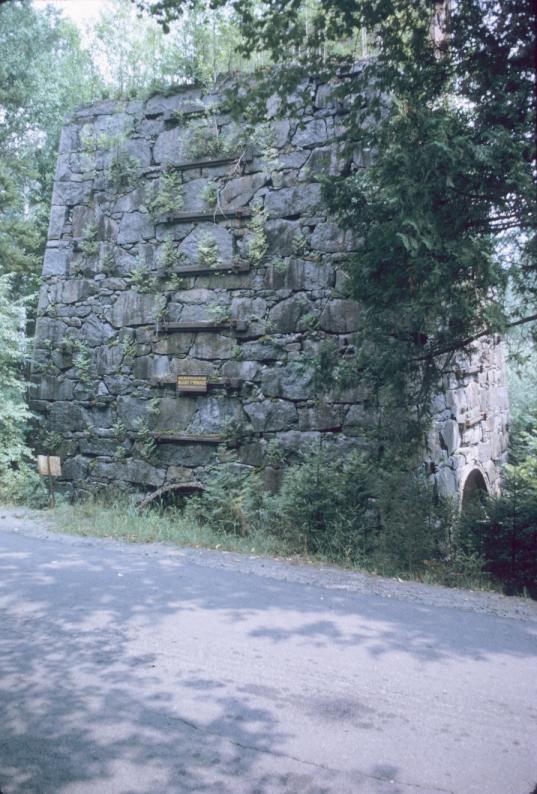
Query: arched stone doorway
[475, 488]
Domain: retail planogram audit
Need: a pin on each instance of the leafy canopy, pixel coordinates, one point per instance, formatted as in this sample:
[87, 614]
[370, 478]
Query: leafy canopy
[43, 74]
[446, 206]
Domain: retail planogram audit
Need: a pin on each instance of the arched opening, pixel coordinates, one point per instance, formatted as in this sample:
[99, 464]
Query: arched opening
[172, 495]
[475, 489]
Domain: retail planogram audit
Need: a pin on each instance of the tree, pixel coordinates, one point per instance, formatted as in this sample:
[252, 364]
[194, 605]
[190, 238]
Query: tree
[43, 74]
[135, 56]
[446, 208]
[14, 414]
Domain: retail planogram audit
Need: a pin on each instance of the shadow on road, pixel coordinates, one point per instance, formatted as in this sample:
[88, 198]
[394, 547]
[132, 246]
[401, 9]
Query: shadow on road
[95, 699]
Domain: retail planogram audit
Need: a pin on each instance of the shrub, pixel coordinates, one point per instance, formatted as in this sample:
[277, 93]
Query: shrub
[502, 530]
[14, 414]
[324, 505]
[225, 503]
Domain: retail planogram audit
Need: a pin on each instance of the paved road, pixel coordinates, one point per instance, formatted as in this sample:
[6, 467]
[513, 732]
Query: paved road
[148, 670]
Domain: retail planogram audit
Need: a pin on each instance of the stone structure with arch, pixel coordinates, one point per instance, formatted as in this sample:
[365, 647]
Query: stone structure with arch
[190, 280]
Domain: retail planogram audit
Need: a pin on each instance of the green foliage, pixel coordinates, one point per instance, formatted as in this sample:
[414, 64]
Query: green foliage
[226, 504]
[43, 74]
[445, 210]
[205, 142]
[209, 194]
[123, 170]
[141, 280]
[23, 486]
[82, 360]
[257, 242]
[169, 255]
[341, 509]
[146, 438]
[299, 245]
[128, 346]
[108, 262]
[173, 282]
[218, 313]
[502, 530]
[324, 504]
[169, 196]
[89, 245]
[207, 250]
[14, 414]
[120, 431]
[135, 57]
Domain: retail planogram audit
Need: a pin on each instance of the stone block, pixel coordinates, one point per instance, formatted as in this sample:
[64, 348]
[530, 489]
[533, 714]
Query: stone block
[107, 359]
[179, 345]
[253, 310]
[58, 215]
[357, 420]
[279, 133]
[271, 415]
[50, 333]
[212, 346]
[449, 433]
[192, 194]
[214, 413]
[285, 316]
[137, 149]
[293, 201]
[51, 387]
[240, 191]
[71, 194]
[330, 238]
[56, 262]
[311, 134]
[170, 147]
[95, 332]
[265, 350]
[118, 384]
[243, 370]
[131, 201]
[132, 411]
[191, 366]
[446, 482]
[74, 290]
[320, 417]
[252, 453]
[299, 274]
[75, 468]
[68, 138]
[200, 236]
[340, 317]
[94, 445]
[65, 417]
[189, 455]
[81, 217]
[98, 416]
[134, 308]
[134, 227]
[280, 236]
[292, 382]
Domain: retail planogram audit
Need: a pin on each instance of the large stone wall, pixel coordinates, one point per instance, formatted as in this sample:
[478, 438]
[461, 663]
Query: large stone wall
[181, 244]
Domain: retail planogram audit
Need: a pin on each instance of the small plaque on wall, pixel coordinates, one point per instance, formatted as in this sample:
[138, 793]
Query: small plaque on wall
[192, 383]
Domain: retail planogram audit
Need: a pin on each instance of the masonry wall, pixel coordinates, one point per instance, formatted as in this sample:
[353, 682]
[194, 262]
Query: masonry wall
[182, 244]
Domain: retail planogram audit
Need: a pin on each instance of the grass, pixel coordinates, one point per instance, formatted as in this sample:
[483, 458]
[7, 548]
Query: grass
[122, 521]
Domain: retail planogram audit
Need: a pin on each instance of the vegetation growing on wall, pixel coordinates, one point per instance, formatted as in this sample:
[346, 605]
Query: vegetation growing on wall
[450, 183]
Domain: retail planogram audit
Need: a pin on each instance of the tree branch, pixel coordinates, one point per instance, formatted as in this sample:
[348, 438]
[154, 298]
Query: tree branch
[462, 343]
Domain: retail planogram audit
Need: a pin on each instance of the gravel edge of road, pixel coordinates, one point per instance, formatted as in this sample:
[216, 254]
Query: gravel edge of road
[33, 524]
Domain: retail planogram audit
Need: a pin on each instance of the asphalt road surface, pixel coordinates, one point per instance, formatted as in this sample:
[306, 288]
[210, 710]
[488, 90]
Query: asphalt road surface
[152, 670]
